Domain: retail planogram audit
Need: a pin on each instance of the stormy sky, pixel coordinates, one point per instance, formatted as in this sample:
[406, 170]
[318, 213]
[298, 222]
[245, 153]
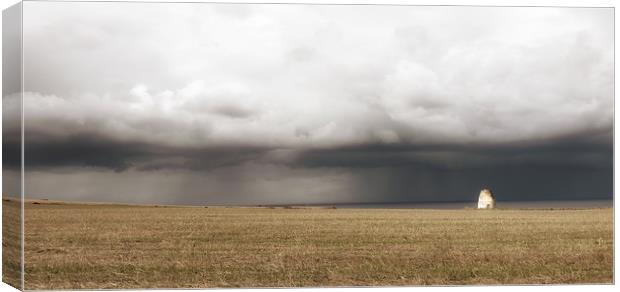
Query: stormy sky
[275, 104]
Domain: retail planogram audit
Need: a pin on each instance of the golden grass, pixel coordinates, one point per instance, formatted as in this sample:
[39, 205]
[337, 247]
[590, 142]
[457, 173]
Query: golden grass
[113, 246]
[11, 242]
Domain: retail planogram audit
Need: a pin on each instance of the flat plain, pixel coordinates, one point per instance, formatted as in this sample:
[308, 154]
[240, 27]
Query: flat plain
[11, 242]
[86, 246]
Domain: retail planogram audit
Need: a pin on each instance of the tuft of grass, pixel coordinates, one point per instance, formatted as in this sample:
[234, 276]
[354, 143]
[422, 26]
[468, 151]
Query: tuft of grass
[77, 246]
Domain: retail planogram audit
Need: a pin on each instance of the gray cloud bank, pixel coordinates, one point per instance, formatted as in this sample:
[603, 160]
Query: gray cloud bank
[196, 103]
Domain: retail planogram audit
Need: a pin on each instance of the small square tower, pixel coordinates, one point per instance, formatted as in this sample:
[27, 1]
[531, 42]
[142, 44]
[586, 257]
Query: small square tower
[486, 199]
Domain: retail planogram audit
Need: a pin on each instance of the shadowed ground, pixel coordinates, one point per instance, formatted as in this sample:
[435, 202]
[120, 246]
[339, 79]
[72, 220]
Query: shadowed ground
[114, 246]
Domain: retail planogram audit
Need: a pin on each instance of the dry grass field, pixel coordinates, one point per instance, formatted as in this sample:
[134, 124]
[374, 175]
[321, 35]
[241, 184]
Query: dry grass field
[114, 246]
[11, 243]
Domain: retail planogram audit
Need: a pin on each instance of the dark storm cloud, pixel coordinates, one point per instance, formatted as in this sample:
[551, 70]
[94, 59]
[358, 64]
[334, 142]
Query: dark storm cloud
[588, 150]
[329, 176]
[573, 167]
[583, 151]
[101, 152]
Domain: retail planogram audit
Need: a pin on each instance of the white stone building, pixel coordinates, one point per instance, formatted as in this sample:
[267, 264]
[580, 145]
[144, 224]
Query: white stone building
[486, 199]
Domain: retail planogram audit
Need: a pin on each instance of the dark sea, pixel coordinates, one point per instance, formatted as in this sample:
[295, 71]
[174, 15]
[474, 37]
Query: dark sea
[576, 204]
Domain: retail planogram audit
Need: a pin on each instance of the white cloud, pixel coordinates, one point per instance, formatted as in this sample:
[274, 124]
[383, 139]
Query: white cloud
[316, 76]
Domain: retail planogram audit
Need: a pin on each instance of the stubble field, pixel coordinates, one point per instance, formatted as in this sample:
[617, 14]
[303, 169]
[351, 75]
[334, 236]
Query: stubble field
[113, 246]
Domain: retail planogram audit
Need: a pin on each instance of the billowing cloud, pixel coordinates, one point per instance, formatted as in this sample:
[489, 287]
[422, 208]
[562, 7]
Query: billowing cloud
[367, 93]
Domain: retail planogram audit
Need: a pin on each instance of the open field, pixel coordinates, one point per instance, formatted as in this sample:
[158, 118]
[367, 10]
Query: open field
[115, 246]
[11, 243]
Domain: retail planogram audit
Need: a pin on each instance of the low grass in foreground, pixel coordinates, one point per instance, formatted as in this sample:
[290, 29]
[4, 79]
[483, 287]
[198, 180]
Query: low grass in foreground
[113, 246]
[11, 242]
